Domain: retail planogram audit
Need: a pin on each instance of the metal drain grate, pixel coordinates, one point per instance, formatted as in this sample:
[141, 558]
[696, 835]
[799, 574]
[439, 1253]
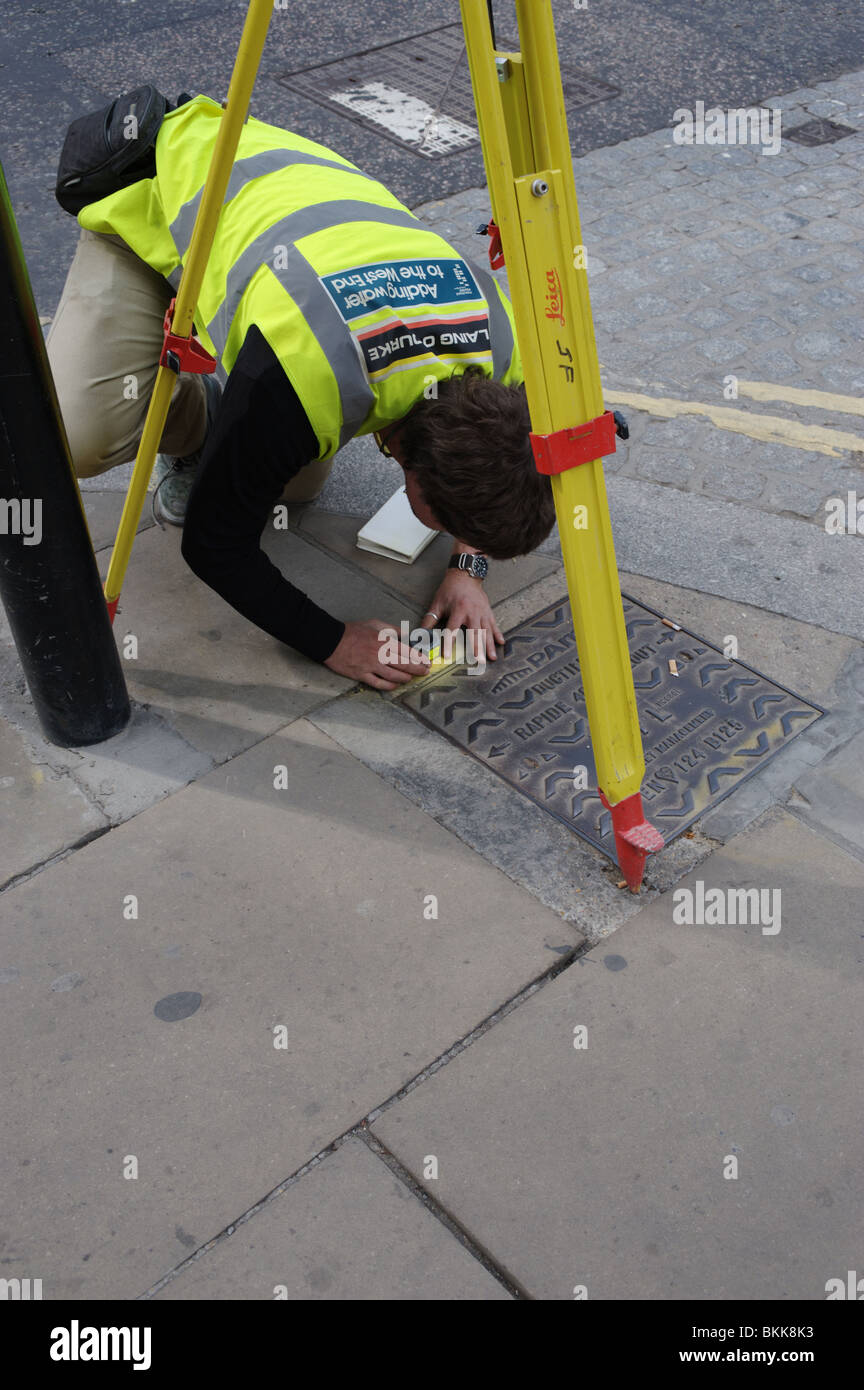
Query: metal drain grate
[705, 730]
[818, 132]
[417, 92]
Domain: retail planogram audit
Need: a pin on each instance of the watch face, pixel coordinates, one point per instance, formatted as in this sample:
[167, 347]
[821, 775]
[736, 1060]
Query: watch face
[481, 566]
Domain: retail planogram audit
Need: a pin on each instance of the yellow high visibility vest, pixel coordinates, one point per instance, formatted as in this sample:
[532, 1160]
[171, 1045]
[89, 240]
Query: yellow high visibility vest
[364, 307]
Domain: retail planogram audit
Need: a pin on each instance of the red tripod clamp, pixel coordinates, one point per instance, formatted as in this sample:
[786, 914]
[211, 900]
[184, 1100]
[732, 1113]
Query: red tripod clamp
[183, 354]
[567, 448]
[496, 251]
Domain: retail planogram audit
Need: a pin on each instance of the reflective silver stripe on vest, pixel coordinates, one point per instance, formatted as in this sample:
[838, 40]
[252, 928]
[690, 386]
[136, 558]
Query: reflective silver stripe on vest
[254, 166]
[356, 397]
[500, 328]
[301, 281]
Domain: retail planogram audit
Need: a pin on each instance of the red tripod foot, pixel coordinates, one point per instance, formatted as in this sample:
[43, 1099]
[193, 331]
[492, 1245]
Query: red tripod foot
[635, 838]
[112, 607]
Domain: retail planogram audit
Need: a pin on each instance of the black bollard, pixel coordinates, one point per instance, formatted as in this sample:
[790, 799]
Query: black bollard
[49, 582]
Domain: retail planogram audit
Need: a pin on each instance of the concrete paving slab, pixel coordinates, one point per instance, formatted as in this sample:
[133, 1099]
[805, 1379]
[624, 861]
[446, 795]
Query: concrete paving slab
[41, 812]
[603, 1166]
[418, 582]
[120, 776]
[103, 508]
[157, 1036]
[831, 797]
[347, 1229]
[214, 677]
[765, 560]
[540, 854]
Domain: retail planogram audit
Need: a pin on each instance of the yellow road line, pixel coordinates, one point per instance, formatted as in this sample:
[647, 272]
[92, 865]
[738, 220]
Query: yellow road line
[796, 395]
[772, 429]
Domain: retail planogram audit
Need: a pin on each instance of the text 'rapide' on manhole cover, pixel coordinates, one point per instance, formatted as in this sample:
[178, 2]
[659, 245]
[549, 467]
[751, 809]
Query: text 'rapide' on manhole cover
[417, 92]
[708, 722]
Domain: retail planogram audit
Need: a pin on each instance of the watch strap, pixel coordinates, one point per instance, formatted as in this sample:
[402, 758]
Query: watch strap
[465, 563]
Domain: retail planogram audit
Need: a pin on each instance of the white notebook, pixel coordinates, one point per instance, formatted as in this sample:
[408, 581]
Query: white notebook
[395, 532]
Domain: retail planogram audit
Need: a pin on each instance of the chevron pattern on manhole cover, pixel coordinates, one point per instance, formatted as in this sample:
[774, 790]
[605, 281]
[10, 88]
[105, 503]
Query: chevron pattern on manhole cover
[708, 722]
[417, 91]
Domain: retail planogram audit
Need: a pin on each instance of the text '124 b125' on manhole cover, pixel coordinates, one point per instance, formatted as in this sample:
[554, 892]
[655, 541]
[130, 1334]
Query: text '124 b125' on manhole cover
[708, 722]
[417, 92]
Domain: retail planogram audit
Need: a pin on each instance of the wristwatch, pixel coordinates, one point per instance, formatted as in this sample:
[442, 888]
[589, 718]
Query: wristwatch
[476, 565]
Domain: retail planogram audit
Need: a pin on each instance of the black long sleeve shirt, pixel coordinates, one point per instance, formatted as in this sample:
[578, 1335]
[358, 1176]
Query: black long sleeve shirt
[261, 438]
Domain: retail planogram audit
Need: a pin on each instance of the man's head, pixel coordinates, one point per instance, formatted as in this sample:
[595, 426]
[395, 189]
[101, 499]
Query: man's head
[470, 469]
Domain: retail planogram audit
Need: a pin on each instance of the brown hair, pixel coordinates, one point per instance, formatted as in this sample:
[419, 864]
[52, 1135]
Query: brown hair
[470, 452]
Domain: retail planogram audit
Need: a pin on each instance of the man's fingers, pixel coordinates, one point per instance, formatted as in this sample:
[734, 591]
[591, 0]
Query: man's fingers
[410, 660]
[481, 631]
[431, 617]
[398, 674]
[457, 618]
[475, 636]
[377, 683]
[371, 652]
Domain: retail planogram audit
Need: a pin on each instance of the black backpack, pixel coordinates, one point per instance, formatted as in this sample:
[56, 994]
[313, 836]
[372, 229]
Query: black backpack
[108, 149]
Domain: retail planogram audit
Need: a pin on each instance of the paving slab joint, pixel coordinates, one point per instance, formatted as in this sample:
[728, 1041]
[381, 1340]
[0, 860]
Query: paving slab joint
[295, 527]
[480, 1029]
[360, 1130]
[447, 1220]
[826, 831]
[17, 879]
[228, 1231]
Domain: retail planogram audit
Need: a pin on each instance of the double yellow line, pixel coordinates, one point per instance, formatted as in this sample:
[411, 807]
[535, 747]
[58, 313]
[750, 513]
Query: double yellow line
[770, 429]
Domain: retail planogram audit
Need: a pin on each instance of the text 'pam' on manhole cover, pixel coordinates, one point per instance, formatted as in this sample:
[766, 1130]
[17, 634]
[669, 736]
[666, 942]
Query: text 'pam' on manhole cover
[705, 730]
[417, 92]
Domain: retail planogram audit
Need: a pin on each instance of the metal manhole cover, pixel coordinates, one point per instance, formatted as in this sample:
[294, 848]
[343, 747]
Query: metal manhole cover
[417, 92]
[705, 731]
[818, 132]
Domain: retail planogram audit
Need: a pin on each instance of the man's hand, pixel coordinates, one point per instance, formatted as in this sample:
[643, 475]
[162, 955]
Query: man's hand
[371, 652]
[461, 601]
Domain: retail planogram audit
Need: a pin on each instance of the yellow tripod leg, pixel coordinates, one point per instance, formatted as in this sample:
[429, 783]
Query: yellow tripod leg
[235, 113]
[536, 212]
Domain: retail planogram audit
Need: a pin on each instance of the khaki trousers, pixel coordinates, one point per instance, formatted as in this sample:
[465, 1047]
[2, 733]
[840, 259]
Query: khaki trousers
[103, 347]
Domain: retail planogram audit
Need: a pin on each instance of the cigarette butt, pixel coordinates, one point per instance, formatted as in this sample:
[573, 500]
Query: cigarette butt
[673, 667]
[667, 622]
[622, 883]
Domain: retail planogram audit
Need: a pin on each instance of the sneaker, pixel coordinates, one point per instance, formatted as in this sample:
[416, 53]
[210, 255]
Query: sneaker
[175, 476]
